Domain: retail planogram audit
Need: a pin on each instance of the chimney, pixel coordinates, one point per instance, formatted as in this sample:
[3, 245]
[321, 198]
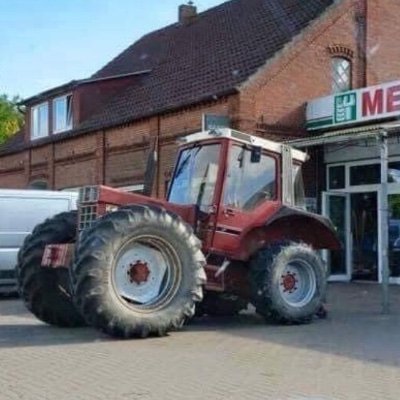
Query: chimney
[187, 12]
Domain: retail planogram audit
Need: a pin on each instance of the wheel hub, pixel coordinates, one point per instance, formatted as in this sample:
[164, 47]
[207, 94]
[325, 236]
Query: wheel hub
[297, 284]
[289, 282]
[138, 272]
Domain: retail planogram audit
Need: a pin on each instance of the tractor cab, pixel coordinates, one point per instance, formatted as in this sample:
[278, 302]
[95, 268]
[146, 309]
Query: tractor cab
[236, 171]
[235, 179]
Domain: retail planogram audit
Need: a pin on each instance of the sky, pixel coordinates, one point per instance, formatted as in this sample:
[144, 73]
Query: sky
[45, 43]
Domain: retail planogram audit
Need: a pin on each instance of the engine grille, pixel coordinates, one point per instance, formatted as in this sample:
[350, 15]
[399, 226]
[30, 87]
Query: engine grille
[88, 194]
[87, 215]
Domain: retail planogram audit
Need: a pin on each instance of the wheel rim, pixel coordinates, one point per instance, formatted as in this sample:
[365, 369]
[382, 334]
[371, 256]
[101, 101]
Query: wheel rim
[146, 272]
[297, 283]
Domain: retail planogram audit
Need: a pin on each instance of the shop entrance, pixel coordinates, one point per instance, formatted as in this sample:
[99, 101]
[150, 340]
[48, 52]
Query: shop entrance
[355, 217]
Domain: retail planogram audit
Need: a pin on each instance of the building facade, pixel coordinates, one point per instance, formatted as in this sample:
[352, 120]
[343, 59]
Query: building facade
[258, 63]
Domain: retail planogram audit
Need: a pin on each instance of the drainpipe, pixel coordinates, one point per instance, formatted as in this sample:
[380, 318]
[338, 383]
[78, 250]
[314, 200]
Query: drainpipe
[384, 222]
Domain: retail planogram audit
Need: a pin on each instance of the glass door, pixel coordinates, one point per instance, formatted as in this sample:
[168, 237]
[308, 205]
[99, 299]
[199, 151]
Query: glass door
[336, 206]
[394, 235]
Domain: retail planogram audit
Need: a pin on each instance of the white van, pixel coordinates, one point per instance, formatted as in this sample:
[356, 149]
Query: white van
[20, 212]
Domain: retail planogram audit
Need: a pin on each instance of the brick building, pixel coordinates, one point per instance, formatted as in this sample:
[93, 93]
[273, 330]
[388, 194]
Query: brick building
[257, 62]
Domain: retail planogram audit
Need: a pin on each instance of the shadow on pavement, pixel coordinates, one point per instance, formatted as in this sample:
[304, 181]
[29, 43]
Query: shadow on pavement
[355, 327]
[27, 335]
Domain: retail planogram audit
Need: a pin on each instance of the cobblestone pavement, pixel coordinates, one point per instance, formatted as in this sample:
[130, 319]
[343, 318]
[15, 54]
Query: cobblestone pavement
[354, 354]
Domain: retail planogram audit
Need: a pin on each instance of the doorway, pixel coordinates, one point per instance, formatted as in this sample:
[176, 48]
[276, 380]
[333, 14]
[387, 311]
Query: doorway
[364, 236]
[355, 218]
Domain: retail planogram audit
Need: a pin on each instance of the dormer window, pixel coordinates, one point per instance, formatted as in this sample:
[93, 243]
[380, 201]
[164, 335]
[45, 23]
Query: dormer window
[62, 113]
[40, 121]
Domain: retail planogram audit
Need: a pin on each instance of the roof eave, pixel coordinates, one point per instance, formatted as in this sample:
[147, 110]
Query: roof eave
[124, 121]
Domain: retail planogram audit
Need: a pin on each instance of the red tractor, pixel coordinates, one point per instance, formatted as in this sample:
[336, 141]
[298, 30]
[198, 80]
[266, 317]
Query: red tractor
[232, 231]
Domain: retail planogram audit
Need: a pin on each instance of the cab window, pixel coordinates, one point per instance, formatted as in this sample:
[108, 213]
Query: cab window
[248, 183]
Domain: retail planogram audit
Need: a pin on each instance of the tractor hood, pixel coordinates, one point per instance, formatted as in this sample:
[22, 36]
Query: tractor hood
[109, 199]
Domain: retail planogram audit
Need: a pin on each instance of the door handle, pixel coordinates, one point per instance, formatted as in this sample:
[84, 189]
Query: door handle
[229, 212]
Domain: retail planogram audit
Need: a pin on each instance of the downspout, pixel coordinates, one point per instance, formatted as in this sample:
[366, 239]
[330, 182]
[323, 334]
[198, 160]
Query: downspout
[103, 172]
[384, 221]
[362, 41]
[365, 77]
[53, 166]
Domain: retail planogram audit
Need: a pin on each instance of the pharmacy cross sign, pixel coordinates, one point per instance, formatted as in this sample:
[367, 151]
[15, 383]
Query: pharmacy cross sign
[356, 106]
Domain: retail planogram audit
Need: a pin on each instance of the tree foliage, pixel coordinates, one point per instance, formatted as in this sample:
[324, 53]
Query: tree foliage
[11, 118]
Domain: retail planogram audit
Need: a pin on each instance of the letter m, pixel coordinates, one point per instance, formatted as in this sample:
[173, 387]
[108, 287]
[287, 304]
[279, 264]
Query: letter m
[372, 103]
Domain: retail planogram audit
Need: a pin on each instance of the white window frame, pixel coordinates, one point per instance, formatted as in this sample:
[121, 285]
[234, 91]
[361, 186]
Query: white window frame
[359, 188]
[66, 127]
[37, 131]
[393, 188]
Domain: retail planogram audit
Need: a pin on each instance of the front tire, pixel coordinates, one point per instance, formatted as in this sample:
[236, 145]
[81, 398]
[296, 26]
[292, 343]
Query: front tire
[138, 272]
[45, 291]
[288, 283]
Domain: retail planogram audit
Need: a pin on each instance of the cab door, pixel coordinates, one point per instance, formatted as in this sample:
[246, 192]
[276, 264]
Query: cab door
[249, 182]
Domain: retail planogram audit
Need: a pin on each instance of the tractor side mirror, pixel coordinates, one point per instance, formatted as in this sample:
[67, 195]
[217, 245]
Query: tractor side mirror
[255, 154]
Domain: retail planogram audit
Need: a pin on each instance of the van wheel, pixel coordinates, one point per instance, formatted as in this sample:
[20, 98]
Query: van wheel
[46, 292]
[288, 283]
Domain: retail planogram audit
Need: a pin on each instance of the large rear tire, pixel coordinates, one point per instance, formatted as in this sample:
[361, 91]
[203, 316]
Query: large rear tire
[47, 292]
[138, 272]
[288, 283]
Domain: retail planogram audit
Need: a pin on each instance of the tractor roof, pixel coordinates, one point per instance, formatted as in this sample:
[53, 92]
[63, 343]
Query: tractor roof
[244, 138]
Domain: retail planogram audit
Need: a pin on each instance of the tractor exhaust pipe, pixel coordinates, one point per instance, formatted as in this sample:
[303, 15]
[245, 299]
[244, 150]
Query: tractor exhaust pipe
[151, 168]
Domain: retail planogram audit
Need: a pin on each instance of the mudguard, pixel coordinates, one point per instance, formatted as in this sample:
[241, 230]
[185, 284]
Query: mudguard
[314, 228]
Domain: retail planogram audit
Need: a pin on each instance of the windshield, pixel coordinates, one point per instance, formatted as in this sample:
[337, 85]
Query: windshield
[195, 176]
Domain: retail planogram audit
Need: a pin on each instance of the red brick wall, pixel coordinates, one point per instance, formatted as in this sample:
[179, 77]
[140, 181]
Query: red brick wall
[116, 157]
[13, 171]
[383, 32]
[277, 96]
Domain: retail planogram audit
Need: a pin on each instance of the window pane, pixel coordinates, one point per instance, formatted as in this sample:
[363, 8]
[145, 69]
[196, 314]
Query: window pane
[43, 120]
[69, 112]
[336, 177]
[35, 122]
[62, 113]
[394, 172]
[336, 210]
[249, 184]
[39, 122]
[394, 235]
[365, 174]
[341, 75]
[299, 195]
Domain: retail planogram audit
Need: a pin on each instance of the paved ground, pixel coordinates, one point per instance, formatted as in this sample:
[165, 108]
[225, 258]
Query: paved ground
[355, 354]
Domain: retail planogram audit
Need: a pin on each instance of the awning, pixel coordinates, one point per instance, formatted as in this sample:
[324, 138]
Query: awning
[345, 135]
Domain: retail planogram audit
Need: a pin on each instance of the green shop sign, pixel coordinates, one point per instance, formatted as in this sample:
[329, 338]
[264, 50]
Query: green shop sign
[367, 104]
